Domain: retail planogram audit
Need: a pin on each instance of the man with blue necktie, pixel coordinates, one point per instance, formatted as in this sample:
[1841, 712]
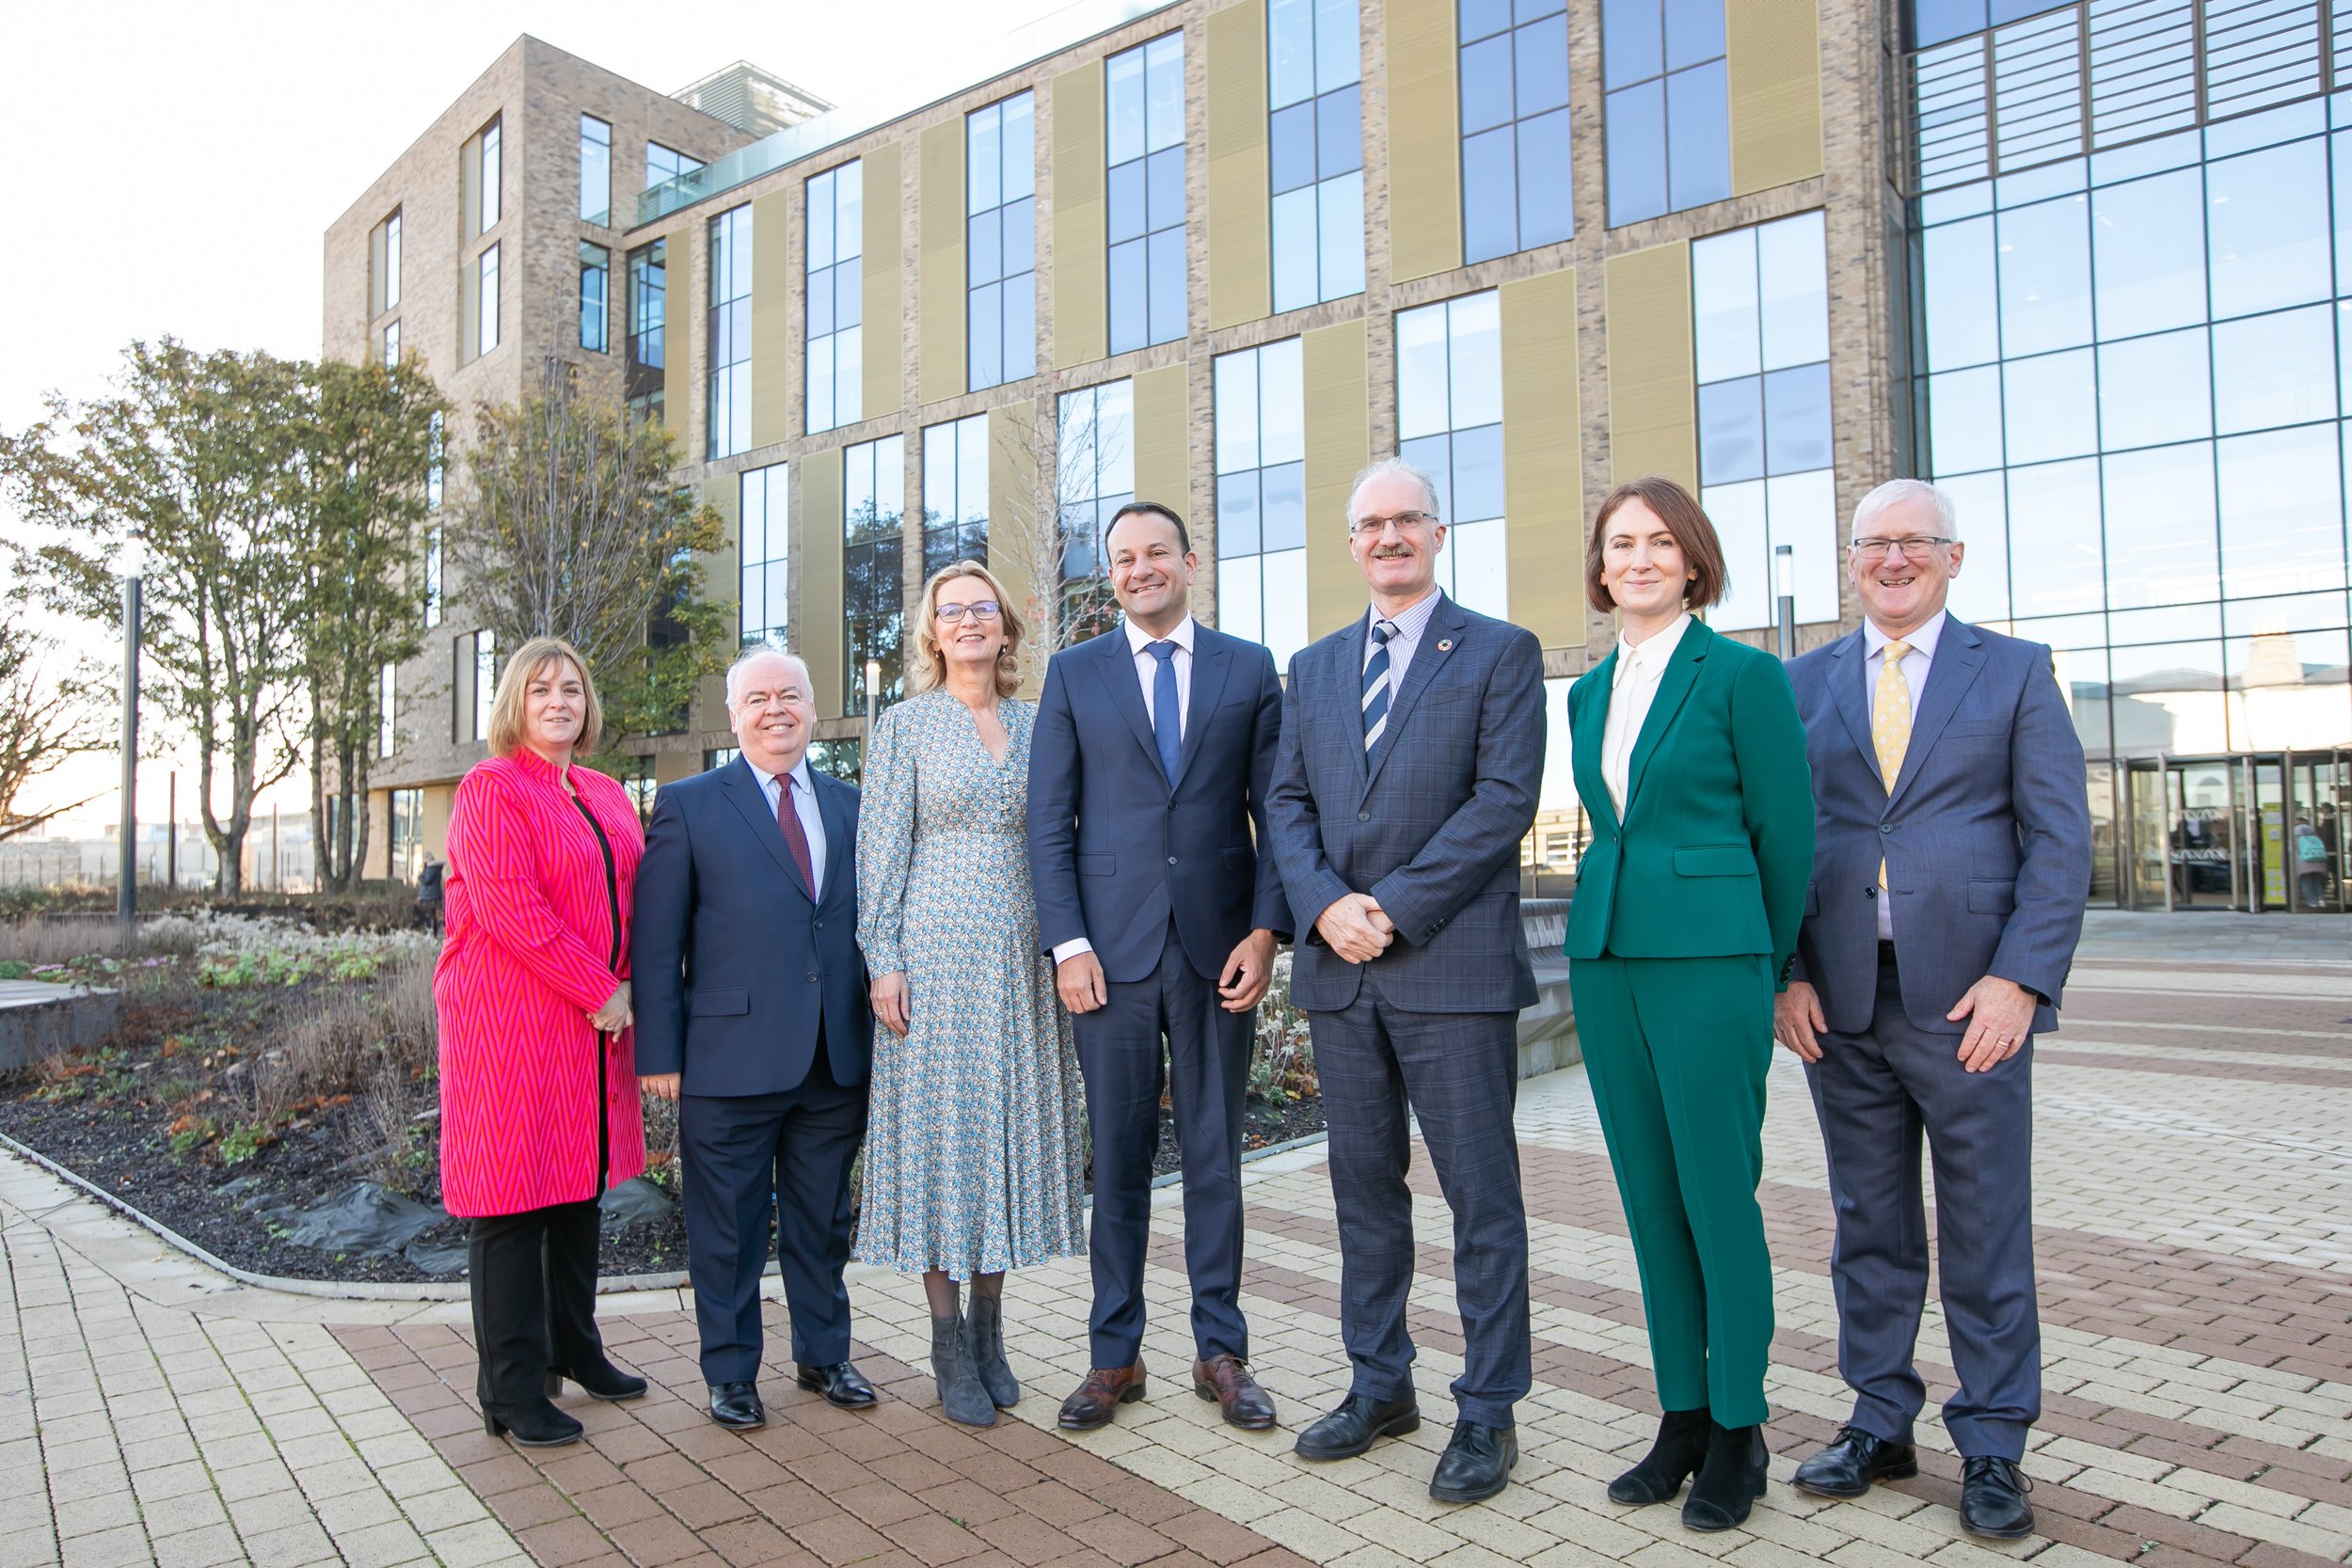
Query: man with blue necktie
[1148, 779]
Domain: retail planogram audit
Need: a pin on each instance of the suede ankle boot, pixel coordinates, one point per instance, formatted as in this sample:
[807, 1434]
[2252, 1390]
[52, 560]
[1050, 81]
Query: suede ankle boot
[1681, 1447]
[1729, 1481]
[961, 1394]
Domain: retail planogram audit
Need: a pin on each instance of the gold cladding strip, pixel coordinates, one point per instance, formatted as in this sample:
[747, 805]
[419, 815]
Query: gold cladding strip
[1773, 75]
[1338, 444]
[1652, 415]
[817, 631]
[1424, 140]
[1015, 501]
[1081, 314]
[940, 294]
[1543, 459]
[771, 320]
[882, 389]
[1240, 246]
[1163, 438]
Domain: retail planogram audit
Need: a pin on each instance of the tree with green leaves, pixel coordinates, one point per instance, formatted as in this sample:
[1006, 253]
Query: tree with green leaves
[574, 528]
[193, 470]
[367, 445]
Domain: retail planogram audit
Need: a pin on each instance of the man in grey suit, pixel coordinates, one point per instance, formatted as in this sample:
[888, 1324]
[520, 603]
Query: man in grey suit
[1412, 748]
[1952, 864]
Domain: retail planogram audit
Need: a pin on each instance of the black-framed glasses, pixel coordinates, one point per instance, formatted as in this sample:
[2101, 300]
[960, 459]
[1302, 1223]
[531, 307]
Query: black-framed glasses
[979, 609]
[1915, 546]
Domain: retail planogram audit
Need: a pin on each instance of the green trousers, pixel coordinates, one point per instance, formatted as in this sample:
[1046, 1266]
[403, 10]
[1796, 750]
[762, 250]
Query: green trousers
[1676, 1050]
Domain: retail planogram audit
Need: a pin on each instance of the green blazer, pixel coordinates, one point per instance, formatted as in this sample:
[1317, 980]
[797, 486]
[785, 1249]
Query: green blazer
[1716, 847]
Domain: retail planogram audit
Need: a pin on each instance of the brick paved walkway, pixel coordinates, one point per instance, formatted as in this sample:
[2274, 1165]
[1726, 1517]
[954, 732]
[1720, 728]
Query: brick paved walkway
[2195, 1205]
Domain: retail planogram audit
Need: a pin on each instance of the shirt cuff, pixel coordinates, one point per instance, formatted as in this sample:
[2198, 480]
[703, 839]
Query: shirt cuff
[1065, 951]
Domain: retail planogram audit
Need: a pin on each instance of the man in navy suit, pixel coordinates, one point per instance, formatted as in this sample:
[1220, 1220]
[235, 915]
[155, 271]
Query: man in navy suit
[1412, 751]
[1148, 779]
[1952, 863]
[751, 1015]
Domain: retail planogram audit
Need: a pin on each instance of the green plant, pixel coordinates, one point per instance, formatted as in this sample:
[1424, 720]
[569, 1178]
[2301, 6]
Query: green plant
[173, 1091]
[191, 1131]
[243, 1142]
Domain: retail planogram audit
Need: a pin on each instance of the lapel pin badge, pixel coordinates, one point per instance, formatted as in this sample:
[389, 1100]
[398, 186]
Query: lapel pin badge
[1445, 644]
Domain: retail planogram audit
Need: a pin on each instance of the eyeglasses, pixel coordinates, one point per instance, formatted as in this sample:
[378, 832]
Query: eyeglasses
[1915, 546]
[1405, 522]
[979, 609]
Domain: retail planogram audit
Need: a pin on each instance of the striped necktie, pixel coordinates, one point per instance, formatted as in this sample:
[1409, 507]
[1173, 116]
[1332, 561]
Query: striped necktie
[1376, 685]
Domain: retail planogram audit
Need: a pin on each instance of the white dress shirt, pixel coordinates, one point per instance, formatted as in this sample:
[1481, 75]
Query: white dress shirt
[803, 806]
[1148, 671]
[1631, 689]
[1914, 670]
[1411, 623]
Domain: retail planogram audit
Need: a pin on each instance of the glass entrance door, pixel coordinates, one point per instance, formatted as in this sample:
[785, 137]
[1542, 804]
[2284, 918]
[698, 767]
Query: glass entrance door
[2264, 830]
[2312, 851]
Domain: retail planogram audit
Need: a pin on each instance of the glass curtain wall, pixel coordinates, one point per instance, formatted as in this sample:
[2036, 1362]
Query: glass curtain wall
[837, 230]
[643, 381]
[873, 512]
[728, 347]
[1668, 119]
[1095, 429]
[1515, 180]
[955, 493]
[1144, 101]
[1000, 241]
[1449, 416]
[1316, 127]
[595, 287]
[765, 552]
[595, 171]
[1262, 497]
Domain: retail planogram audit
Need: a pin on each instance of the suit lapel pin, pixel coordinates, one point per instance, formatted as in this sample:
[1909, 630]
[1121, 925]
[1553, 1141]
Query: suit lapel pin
[1445, 644]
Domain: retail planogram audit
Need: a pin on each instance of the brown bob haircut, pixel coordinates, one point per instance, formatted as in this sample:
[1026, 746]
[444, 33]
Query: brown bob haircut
[1680, 511]
[514, 684]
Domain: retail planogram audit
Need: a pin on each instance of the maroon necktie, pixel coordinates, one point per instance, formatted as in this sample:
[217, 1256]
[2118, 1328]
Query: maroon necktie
[795, 836]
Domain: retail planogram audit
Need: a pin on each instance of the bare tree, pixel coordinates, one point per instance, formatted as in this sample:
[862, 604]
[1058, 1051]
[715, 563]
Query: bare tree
[1044, 536]
[574, 528]
[43, 721]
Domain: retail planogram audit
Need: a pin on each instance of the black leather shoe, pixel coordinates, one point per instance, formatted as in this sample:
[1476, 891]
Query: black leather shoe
[1993, 1499]
[1673, 1459]
[1853, 1460]
[841, 1383]
[1729, 1481]
[603, 1381]
[1476, 1465]
[533, 1424]
[737, 1405]
[1356, 1425]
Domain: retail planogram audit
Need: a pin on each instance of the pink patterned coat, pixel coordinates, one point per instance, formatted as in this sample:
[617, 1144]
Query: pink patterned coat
[529, 955]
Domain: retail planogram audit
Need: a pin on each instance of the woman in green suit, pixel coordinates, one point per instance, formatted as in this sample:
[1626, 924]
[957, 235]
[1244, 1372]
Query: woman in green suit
[1691, 761]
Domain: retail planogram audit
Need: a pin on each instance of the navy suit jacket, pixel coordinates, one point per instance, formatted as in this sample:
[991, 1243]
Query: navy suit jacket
[1115, 852]
[732, 964]
[1986, 834]
[1431, 828]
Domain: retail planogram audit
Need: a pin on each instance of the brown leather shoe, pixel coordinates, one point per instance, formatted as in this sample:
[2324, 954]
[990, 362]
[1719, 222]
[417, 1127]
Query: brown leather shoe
[1226, 1379]
[1099, 1396]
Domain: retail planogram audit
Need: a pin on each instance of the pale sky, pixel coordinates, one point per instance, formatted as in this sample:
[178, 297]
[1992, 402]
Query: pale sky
[172, 168]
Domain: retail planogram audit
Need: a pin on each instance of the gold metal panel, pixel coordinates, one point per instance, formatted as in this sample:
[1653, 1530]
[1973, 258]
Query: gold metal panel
[680, 334]
[1424, 140]
[1163, 438]
[941, 298]
[1338, 444]
[1240, 246]
[1543, 459]
[1652, 395]
[817, 629]
[1774, 69]
[1082, 328]
[771, 320]
[883, 337]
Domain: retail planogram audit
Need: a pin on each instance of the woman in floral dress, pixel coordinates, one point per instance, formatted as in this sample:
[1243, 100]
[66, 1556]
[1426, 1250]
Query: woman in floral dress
[972, 1146]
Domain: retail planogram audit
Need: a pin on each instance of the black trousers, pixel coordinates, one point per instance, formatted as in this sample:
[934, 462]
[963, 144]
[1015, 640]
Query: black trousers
[533, 1280]
[1208, 1060]
[747, 1157]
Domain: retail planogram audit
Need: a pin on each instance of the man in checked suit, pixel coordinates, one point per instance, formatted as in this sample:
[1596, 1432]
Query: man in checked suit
[1412, 748]
[1952, 863]
[1148, 779]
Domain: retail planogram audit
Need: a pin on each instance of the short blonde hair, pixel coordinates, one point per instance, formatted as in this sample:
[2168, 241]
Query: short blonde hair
[929, 668]
[506, 707]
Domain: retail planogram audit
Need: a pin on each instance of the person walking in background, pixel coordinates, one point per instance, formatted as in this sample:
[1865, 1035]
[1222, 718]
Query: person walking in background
[1688, 757]
[1148, 783]
[751, 1015]
[1947, 897]
[1412, 748]
[972, 1166]
[539, 1107]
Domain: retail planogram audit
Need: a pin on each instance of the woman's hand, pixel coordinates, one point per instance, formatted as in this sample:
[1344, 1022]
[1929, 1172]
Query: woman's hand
[888, 994]
[615, 1015]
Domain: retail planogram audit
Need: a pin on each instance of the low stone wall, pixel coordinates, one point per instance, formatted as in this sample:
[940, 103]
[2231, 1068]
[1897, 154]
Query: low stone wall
[37, 1019]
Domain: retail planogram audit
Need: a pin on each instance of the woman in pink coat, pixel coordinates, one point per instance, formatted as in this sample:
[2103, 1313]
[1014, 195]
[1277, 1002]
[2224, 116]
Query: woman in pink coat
[539, 1107]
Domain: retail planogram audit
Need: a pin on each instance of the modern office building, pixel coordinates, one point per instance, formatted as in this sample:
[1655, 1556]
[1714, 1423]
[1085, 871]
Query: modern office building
[2081, 263]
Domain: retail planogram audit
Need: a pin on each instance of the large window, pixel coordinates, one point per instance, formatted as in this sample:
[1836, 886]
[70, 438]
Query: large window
[489, 178]
[596, 288]
[487, 292]
[728, 346]
[1000, 241]
[1145, 100]
[762, 517]
[473, 684]
[435, 460]
[1449, 417]
[433, 573]
[1316, 129]
[955, 492]
[644, 381]
[665, 164]
[1669, 115]
[1262, 497]
[873, 514]
[595, 170]
[1514, 126]
[384, 265]
[392, 344]
[836, 227]
[1097, 466]
[1759, 306]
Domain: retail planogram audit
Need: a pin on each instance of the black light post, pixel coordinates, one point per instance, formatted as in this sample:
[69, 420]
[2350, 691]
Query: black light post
[126, 888]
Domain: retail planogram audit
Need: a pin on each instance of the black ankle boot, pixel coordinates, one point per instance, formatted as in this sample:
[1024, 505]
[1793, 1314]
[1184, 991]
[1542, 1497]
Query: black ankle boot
[533, 1423]
[962, 1397]
[986, 1326]
[600, 1379]
[1681, 1445]
[1730, 1480]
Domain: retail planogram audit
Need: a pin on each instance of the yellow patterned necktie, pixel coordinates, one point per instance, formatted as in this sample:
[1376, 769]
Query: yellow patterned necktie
[1890, 722]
